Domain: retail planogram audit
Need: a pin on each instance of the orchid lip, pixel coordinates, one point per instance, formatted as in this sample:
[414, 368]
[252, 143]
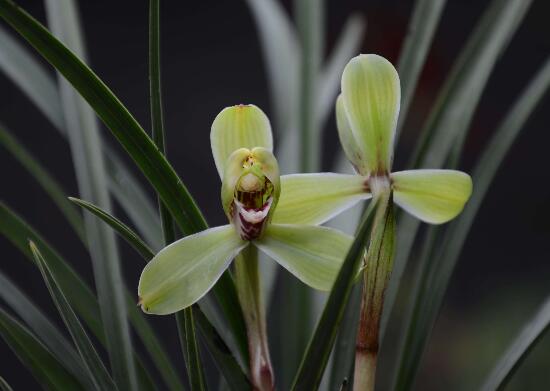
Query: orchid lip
[250, 222]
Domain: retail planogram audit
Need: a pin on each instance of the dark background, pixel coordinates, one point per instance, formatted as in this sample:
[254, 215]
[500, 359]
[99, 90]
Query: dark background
[211, 59]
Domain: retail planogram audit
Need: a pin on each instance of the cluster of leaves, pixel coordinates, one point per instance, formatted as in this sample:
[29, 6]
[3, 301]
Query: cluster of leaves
[302, 93]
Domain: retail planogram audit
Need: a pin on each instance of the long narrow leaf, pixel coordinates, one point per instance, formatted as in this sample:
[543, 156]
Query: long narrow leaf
[185, 321]
[4, 386]
[429, 299]
[44, 330]
[420, 33]
[314, 360]
[122, 229]
[347, 46]
[40, 87]
[281, 53]
[81, 299]
[526, 340]
[451, 116]
[134, 139]
[86, 149]
[90, 358]
[226, 363]
[216, 344]
[44, 367]
[44, 179]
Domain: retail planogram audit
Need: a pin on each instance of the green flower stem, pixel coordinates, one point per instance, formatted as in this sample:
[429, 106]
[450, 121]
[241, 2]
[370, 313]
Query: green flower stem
[377, 271]
[247, 280]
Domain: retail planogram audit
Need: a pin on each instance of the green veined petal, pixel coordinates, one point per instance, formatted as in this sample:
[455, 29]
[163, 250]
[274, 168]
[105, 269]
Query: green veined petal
[347, 139]
[181, 273]
[371, 94]
[242, 126]
[433, 196]
[312, 199]
[313, 254]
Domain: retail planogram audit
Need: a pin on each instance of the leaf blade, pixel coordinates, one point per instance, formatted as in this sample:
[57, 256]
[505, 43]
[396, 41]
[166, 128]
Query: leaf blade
[96, 368]
[44, 367]
[316, 356]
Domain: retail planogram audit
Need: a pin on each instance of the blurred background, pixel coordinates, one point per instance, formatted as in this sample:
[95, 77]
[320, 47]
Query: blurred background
[211, 58]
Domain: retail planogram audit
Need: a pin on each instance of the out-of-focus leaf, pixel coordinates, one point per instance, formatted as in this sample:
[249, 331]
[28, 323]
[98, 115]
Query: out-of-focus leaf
[226, 363]
[81, 299]
[43, 177]
[18, 65]
[48, 334]
[210, 335]
[434, 280]
[420, 33]
[4, 386]
[346, 47]
[316, 356]
[95, 367]
[134, 139]
[532, 332]
[454, 109]
[281, 53]
[40, 87]
[122, 229]
[42, 364]
[344, 348]
[84, 140]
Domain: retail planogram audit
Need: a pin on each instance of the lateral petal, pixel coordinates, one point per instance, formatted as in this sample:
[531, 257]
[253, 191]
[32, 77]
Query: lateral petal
[313, 254]
[433, 196]
[312, 199]
[181, 273]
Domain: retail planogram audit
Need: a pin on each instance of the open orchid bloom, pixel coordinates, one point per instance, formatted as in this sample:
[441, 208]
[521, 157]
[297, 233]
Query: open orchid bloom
[366, 116]
[183, 272]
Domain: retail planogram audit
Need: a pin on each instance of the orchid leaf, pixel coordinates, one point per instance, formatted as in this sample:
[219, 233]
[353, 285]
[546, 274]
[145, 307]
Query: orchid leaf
[420, 32]
[433, 196]
[44, 179]
[347, 46]
[4, 386]
[435, 279]
[312, 199]
[44, 330]
[181, 273]
[35, 356]
[371, 96]
[320, 345]
[17, 231]
[90, 358]
[526, 340]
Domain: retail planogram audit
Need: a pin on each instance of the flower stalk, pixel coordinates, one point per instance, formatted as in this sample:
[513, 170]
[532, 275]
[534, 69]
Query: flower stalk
[247, 280]
[377, 271]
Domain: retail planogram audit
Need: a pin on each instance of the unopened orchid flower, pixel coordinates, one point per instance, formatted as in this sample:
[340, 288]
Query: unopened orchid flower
[366, 116]
[181, 273]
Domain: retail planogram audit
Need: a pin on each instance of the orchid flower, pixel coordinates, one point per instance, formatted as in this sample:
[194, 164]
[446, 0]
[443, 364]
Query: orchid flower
[181, 273]
[366, 116]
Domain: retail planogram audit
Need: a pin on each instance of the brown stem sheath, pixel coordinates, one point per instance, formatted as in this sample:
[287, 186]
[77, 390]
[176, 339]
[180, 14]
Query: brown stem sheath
[378, 266]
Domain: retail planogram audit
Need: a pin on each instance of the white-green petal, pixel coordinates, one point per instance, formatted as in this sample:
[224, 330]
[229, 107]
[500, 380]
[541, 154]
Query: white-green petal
[371, 95]
[181, 273]
[312, 199]
[242, 126]
[347, 139]
[313, 254]
[433, 196]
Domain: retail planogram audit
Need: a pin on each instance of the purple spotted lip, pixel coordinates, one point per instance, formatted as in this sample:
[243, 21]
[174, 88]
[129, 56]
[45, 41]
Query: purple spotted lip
[250, 222]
